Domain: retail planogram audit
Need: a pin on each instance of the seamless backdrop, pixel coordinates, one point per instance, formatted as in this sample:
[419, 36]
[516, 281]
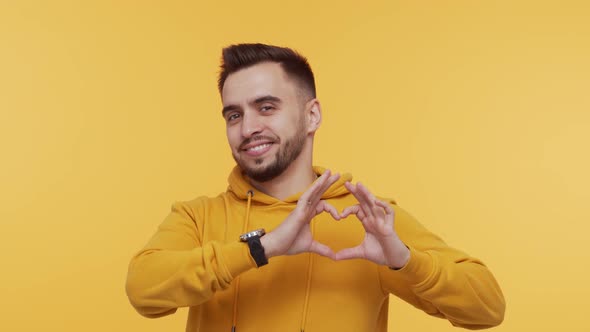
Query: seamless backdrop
[473, 115]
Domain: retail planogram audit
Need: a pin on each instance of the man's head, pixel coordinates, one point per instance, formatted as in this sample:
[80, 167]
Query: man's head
[240, 56]
[269, 106]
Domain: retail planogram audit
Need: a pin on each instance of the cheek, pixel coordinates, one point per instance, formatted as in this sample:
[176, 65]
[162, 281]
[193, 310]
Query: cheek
[284, 127]
[232, 138]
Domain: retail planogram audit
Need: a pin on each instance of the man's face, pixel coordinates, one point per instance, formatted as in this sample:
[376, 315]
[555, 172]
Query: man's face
[265, 122]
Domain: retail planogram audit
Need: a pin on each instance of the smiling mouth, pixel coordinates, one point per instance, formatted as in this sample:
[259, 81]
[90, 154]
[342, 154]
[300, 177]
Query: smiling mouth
[259, 147]
[258, 150]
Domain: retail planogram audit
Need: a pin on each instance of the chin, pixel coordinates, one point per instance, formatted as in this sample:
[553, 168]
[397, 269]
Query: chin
[254, 167]
[261, 173]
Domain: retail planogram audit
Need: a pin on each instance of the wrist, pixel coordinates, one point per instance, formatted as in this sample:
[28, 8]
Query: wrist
[266, 242]
[403, 261]
[397, 254]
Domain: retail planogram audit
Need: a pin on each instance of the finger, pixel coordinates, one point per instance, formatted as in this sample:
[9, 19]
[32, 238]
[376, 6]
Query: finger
[349, 253]
[367, 195]
[376, 209]
[321, 249]
[388, 210]
[351, 187]
[350, 210]
[320, 181]
[325, 206]
[308, 195]
[331, 180]
[353, 190]
[319, 184]
[364, 203]
[319, 192]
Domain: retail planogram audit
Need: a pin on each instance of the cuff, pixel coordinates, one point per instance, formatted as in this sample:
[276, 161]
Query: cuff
[237, 258]
[418, 268]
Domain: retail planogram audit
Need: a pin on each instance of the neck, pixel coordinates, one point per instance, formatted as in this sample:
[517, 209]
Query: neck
[295, 179]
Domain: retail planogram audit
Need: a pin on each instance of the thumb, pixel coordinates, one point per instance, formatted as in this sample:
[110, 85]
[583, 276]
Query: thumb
[349, 253]
[321, 249]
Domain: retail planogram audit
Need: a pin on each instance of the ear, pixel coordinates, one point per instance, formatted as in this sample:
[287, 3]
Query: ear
[313, 114]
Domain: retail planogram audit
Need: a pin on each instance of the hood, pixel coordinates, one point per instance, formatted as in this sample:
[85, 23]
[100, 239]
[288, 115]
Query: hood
[239, 186]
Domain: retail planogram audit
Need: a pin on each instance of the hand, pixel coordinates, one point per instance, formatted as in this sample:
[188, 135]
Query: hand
[293, 236]
[381, 244]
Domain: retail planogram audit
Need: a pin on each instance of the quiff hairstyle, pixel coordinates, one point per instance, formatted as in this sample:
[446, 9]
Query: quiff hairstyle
[241, 56]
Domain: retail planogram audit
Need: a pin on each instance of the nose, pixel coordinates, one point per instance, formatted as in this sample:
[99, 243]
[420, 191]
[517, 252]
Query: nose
[251, 124]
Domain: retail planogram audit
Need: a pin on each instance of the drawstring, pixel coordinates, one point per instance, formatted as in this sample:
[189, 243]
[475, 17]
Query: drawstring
[237, 283]
[308, 287]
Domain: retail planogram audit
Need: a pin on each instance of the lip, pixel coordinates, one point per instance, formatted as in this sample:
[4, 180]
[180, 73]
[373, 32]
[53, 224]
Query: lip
[255, 143]
[256, 153]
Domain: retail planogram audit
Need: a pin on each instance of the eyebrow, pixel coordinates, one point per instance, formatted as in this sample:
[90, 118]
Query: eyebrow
[266, 98]
[258, 100]
[229, 108]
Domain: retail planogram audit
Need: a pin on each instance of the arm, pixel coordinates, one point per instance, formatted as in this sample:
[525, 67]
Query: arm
[443, 281]
[176, 270]
[434, 277]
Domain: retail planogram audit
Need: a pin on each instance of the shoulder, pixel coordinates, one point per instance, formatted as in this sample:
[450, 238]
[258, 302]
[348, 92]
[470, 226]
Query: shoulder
[403, 218]
[199, 206]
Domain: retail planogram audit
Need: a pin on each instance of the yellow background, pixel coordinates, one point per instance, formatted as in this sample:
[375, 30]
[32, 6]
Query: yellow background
[474, 115]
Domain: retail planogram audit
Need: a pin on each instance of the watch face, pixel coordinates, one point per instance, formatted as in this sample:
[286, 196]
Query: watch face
[258, 232]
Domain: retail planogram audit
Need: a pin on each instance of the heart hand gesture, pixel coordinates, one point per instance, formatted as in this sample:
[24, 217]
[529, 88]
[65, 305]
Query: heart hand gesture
[381, 243]
[294, 236]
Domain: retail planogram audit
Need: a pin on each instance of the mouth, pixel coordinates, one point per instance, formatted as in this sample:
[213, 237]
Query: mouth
[257, 149]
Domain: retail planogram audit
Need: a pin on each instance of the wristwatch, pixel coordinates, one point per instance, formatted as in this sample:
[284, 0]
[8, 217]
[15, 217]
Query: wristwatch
[256, 248]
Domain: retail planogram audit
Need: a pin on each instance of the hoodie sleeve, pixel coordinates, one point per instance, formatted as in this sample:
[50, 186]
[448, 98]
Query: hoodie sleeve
[443, 281]
[175, 269]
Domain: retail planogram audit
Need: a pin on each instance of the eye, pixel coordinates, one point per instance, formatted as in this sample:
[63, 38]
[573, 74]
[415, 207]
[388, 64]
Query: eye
[233, 116]
[266, 108]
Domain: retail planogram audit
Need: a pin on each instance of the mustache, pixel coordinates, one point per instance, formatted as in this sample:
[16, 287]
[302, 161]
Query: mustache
[257, 138]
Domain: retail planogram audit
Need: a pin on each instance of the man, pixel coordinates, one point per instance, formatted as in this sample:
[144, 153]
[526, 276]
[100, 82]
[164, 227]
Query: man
[330, 252]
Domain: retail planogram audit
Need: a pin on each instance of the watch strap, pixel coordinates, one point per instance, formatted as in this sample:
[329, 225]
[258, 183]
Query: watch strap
[257, 251]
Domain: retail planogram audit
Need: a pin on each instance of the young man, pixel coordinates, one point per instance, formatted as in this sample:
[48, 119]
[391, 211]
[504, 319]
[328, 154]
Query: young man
[290, 246]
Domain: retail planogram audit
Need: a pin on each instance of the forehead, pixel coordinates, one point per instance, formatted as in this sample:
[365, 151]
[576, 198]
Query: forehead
[263, 79]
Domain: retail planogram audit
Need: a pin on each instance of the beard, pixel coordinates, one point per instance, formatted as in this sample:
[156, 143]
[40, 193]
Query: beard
[282, 159]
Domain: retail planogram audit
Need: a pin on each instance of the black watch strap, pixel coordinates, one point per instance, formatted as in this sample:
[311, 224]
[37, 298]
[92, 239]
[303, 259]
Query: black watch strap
[257, 251]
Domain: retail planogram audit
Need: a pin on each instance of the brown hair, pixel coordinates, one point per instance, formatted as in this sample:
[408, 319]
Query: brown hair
[241, 56]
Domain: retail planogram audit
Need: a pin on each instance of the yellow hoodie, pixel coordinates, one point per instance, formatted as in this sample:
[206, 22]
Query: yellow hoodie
[195, 259]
